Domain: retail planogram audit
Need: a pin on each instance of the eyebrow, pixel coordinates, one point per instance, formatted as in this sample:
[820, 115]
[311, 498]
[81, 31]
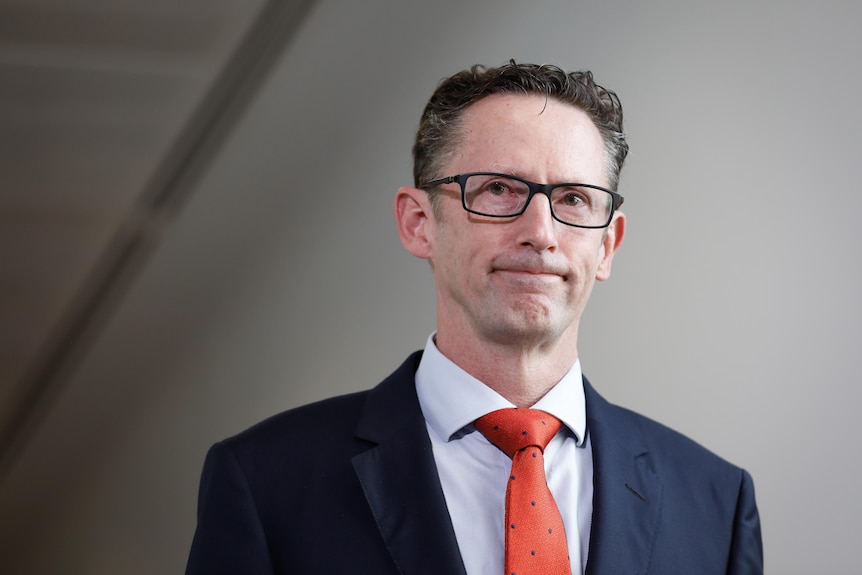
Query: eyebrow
[518, 174]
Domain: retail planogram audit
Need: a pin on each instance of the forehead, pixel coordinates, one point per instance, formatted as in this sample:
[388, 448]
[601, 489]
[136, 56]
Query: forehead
[531, 136]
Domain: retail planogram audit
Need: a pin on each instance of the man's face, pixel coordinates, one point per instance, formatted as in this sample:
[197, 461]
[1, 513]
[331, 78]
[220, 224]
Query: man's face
[522, 280]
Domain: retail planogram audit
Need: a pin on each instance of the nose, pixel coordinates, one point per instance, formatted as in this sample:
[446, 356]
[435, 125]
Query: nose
[537, 227]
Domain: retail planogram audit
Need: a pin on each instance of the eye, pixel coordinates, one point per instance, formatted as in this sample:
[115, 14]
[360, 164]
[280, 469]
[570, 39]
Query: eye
[572, 198]
[497, 187]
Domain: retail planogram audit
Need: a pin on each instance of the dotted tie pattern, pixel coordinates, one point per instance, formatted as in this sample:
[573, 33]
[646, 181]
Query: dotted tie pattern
[535, 536]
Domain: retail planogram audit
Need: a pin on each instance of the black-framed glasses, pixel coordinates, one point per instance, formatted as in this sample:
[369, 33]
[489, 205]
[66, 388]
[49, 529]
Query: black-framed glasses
[506, 196]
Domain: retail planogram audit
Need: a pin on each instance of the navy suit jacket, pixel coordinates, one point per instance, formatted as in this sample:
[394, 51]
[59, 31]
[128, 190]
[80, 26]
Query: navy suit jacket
[349, 486]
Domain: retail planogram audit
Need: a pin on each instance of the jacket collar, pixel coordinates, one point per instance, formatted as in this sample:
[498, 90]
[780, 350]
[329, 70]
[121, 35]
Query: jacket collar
[400, 480]
[627, 491]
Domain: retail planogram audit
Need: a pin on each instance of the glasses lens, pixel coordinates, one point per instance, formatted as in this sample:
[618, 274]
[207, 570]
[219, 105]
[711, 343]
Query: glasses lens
[494, 195]
[582, 205]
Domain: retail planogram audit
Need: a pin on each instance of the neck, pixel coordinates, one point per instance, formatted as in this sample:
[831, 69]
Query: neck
[521, 372]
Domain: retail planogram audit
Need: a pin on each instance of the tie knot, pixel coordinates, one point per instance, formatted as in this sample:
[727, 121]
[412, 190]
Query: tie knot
[514, 429]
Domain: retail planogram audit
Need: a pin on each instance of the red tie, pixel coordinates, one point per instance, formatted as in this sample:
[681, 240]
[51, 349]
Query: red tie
[535, 536]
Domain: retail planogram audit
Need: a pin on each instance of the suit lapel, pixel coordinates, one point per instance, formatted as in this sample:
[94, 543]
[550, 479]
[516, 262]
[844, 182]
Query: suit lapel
[400, 481]
[627, 492]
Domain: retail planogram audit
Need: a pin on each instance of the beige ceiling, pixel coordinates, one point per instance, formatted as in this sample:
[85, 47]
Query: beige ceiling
[106, 108]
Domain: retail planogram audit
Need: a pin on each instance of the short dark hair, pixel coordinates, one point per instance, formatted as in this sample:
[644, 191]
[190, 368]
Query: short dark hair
[441, 120]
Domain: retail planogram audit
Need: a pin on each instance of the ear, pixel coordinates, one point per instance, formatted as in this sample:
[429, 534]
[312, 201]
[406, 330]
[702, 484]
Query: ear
[611, 242]
[413, 213]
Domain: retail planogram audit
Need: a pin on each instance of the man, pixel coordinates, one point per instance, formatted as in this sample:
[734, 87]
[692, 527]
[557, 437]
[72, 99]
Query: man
[409, 477]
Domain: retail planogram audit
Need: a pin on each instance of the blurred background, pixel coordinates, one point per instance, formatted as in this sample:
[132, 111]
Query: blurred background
[196, 233]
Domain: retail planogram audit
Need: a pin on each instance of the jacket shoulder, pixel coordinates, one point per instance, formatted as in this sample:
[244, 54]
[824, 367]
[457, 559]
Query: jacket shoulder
[310, 422]
[668, 447]
[332, 424]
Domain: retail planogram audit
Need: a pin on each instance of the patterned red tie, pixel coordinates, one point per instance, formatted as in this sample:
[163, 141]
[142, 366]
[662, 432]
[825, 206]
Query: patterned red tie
[535, 536]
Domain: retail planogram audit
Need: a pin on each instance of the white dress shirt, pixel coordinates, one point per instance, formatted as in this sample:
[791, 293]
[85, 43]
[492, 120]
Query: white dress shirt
[474, 473]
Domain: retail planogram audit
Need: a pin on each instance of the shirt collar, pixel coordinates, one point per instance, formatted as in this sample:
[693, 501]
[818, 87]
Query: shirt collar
[451, 398]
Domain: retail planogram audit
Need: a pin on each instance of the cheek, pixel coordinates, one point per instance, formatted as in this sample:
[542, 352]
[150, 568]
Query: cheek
[452, 253]
[585, 257]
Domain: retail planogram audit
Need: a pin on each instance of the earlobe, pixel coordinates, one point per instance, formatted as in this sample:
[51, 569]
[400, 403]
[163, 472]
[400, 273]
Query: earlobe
[610, 244]
[413, 212]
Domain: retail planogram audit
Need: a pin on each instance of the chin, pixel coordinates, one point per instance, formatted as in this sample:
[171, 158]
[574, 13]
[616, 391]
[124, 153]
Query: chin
[525, 331]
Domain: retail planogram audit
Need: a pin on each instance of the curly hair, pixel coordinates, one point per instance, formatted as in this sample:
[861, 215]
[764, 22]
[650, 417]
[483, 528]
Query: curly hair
[439, 128]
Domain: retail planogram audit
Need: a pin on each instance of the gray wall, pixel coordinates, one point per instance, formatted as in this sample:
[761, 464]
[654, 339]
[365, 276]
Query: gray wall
[733, 313]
